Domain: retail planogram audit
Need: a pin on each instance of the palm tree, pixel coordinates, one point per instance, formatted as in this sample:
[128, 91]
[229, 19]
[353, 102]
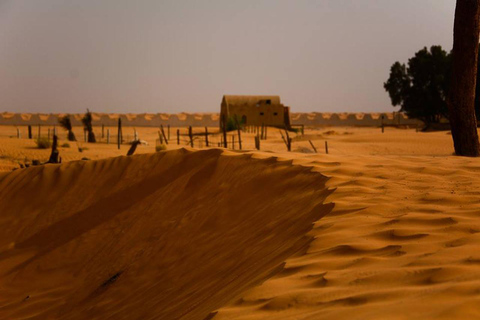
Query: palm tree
[461, 96]
[66, 124]
[87, 125]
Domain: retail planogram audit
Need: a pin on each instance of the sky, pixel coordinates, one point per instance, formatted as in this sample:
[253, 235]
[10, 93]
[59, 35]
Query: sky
[183, 55]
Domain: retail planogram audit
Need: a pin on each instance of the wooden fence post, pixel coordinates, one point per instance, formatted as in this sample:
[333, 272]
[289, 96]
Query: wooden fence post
[18, 133]
[289, 140]
[108, 136]
[314, 149]
[257, 142]
[119, 134]
[163, 133]
[178, 136]
[233, 142]
[191, 135]
[239, 139]
[160, 137]
[326, 147]
[225, 143]
[206, 136]
[29, 132]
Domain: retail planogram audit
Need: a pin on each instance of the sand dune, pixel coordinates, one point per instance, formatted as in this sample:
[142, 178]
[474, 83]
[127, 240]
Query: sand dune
[169, 235]
[402, 242]
[196, 235]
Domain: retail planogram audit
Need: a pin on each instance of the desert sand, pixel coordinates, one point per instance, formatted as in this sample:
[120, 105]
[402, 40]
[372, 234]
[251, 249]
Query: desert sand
[385, 226]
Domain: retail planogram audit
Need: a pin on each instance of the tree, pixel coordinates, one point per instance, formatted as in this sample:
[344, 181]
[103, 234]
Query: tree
[461, 98]
[87, 125]
[421, 88]
[66, 124]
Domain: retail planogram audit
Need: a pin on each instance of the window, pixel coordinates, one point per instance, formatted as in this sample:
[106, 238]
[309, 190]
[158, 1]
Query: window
[261, 113]
[268, 101]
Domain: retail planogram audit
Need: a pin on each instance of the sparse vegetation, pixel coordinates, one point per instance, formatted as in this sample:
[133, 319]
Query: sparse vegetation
[233, 124]
[161, 147]
[43, 143]
[65, 145]
[66, 124]
[87, 124]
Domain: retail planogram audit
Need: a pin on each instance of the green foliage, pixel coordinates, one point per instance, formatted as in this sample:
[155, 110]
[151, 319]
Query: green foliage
[420, 88]
[160, 147]
[43, 143]
[233, 123]
[65, 122]
[87, 124]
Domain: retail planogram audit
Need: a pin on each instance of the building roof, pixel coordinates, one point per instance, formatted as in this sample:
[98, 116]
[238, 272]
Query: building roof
[249, 100]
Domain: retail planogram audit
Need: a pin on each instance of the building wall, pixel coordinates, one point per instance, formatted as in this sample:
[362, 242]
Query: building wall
[271, 115]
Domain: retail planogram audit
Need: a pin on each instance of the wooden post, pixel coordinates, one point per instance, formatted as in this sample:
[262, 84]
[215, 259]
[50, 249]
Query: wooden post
[206, 136]
[190, 133]
[225, 143]
[29, 132]
[266, 132]
[289, 140]
[257, 142]
[55, 153]
[326, 147]
[178, 136]
[239, 139]
[233, 142]
[133, 147]
[108, 136]
[119, 135]
[314, 149]
[163, 134]
[18, 133]
[160, 137]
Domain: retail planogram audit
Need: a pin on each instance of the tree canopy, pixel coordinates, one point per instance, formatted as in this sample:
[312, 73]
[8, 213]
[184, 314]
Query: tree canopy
[420, 87]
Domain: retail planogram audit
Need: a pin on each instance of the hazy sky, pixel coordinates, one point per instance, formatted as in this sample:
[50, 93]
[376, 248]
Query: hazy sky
[183, 55]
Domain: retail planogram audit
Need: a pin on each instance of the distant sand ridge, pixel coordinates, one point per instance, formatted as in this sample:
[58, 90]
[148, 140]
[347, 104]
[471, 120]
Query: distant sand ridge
[207, 119]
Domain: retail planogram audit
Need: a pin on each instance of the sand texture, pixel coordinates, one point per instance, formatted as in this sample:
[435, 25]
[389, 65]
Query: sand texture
[385, 226]
[163, 236]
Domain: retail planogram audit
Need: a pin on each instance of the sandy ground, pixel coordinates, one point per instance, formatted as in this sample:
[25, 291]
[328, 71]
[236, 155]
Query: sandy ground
[401, 242]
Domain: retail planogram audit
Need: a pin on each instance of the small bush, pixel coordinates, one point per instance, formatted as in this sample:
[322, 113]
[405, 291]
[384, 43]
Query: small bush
[43, 143]
[65, 145]
[161, 147]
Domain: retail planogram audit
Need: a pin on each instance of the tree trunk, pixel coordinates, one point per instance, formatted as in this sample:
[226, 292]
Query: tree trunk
[461, 97]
